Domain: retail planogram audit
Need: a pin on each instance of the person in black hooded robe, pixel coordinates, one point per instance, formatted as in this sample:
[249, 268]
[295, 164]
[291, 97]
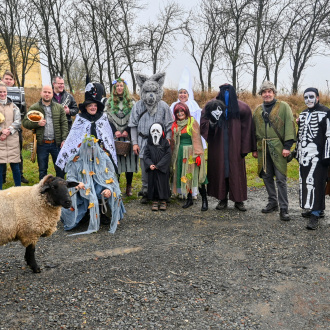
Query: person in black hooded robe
[157, 157]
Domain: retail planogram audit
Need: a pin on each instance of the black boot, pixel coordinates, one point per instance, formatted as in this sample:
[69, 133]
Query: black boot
[189, 202]
[284, 215]
[313, 222]
[205, 204]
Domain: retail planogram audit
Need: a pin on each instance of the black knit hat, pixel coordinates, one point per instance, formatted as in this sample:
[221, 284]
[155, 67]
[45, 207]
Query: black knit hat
[312, 89]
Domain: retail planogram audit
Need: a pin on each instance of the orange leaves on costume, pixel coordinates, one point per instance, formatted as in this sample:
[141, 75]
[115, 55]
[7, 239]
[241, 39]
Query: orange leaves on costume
[91, 173]
[83, 171]
[90, 205]
[184, 179]
[70, 193]
[75, 158]
[109, 181]
[97, 161]
[114, 195]
[95, 140]
[106, 170]
[72, 208]
[88, 191]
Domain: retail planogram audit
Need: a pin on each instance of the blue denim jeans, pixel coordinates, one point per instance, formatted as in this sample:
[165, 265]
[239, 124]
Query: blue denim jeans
[16, 173]
[43, 151]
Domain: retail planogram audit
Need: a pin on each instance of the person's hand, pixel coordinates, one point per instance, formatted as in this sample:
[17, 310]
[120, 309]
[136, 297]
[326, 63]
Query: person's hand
[136, 149]
[255, 154]
[66, 109]
[6, 131]
[152, 167]
[286, 153]
[106, 193]
[81, 186]
[198, 161]
[3, 137]
[297, 120]
[62, 143]
[118, 134]
[124, 134]
[42, 122]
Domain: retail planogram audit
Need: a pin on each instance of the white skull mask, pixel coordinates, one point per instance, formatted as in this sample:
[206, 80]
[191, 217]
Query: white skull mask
[217, 113]
[156, 132]
[310, 99]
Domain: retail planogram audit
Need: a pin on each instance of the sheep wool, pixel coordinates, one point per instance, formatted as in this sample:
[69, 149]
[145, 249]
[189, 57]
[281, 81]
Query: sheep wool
[26, 214]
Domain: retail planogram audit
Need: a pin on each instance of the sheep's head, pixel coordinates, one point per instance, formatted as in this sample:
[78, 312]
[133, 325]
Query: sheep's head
[56, 190]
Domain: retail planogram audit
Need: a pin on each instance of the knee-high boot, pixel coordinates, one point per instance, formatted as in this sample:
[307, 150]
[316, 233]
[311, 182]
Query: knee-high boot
[189, 201]
[205, 204]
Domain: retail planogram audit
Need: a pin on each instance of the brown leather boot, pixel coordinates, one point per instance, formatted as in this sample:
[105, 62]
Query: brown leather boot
[129, 190]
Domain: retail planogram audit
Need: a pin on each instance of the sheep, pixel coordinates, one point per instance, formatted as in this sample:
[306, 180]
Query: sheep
[33, 211]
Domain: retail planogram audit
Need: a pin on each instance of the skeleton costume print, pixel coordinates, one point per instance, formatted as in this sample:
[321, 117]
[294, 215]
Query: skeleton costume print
[313, 151]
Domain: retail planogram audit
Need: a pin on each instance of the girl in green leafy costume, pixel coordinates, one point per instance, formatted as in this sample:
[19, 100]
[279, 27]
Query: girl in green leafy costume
[188, 168]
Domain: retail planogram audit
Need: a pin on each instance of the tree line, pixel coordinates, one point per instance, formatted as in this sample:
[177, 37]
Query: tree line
[106, 39]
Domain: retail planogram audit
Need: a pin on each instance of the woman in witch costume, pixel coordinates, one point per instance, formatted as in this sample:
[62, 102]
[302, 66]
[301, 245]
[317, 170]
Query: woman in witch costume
[91, 121]
[118, 109]
[94, 171]
[157, 157]
[188, 168]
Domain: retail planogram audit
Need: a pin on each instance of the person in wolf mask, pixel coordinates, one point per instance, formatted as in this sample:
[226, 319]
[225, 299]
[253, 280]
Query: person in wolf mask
[157, 157]
[147, 111]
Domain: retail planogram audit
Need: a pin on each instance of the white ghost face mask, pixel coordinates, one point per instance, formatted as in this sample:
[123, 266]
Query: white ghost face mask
[156, 132]
[310, 99]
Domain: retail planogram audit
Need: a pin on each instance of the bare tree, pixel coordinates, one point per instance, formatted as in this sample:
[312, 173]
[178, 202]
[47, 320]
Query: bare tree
[130, 43]
[233, 22]
[159, 36]
[306, 35]
[18, 38]
[202, 34]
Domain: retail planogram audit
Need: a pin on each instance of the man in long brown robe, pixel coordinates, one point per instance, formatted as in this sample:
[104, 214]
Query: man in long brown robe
[226, 124]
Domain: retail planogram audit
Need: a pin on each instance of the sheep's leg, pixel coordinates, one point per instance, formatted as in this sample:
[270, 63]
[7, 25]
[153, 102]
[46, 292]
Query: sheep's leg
[30, 259]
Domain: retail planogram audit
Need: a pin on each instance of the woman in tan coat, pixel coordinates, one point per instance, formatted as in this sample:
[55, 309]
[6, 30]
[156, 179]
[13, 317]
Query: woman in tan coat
[10, 122]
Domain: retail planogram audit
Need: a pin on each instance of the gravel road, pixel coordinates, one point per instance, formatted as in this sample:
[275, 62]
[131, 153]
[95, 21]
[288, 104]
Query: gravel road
[179, 269]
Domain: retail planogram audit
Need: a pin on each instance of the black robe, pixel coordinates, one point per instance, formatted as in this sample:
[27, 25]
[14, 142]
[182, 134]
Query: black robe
[158, 179]
[313, 154]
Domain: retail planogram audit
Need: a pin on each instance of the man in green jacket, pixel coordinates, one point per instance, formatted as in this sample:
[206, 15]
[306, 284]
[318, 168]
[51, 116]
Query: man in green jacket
[51, 131]
[275, 135]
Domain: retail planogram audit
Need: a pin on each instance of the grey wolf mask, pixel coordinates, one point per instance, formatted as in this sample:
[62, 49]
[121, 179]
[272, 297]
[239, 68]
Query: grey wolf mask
[151, 90]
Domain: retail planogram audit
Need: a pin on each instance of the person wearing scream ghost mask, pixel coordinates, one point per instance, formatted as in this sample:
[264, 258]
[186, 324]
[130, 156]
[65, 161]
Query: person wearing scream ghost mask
[157, 157]
[313, 154]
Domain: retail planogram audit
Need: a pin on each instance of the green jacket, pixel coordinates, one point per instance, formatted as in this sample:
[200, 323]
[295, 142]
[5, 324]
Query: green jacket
[281, 116]
[59, 121]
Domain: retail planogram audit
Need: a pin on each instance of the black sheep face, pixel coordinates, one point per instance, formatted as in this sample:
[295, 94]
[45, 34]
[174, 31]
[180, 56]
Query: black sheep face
[56, 191]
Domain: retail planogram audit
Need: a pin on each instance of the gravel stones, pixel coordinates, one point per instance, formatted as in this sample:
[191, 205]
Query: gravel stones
[175, 270]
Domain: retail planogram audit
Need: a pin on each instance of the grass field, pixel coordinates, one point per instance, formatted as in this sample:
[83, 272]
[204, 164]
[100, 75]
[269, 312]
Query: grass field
[32, 174]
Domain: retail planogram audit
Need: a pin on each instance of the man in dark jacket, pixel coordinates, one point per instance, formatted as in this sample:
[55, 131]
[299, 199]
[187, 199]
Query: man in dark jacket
[62, 97]
[51, 130]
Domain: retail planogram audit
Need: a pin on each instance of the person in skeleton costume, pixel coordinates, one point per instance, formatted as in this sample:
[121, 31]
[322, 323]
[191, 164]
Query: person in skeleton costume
[157, 157]
[226, 124]
[275, 134]
[94, 171]
[91, 121]
[188, 168]
[118, 109]
[186, 95]
[313, 154]
[147, 111]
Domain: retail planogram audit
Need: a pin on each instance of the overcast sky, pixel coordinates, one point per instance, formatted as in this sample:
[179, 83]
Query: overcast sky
[316, 75]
